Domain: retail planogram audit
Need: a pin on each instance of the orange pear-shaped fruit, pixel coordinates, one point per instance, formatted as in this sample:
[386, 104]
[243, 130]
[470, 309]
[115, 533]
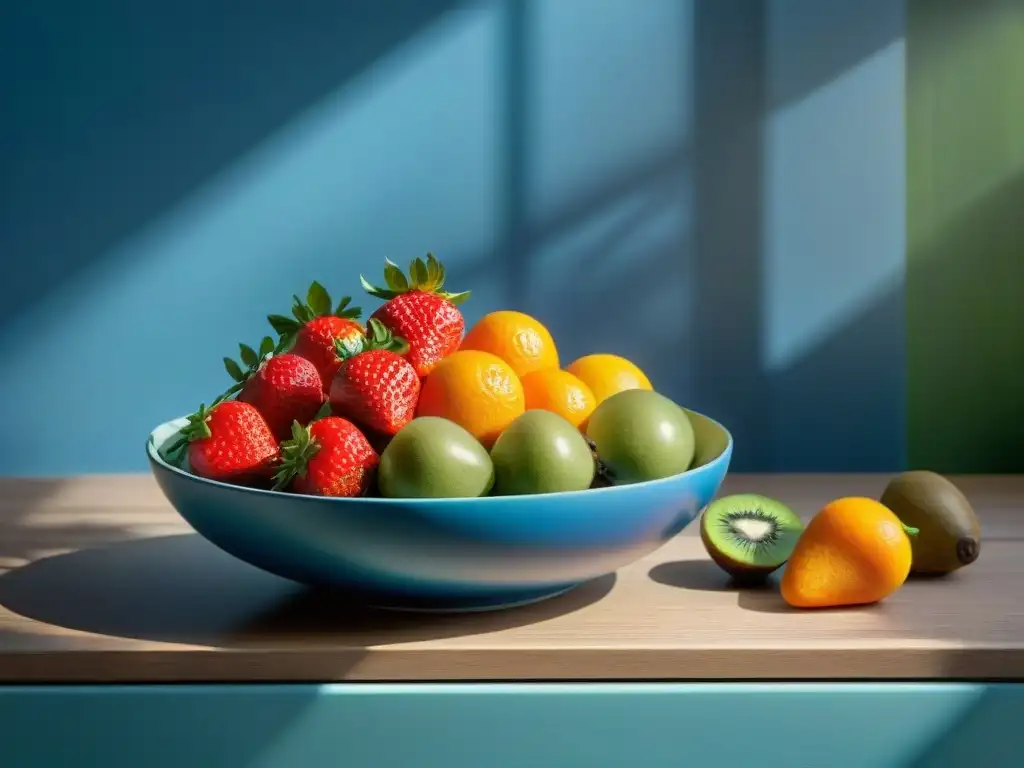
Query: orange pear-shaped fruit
[855, 551]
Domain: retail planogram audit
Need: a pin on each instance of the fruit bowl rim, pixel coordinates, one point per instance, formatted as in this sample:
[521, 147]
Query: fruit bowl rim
[154, 456]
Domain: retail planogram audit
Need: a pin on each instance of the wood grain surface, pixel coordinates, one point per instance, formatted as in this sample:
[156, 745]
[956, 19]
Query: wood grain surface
[101, 581]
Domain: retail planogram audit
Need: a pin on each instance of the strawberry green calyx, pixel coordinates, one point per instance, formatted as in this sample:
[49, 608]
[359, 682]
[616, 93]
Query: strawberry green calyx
[426, 276]
[196, 429]
[318, 303]
[295, 456]
[252, 361]
[378, 336]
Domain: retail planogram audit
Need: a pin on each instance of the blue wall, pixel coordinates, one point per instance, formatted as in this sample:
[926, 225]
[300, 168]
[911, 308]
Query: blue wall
[715, 189]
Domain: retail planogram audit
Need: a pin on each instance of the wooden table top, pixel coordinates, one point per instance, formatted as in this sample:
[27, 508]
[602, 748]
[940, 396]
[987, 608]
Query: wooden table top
[101, 581]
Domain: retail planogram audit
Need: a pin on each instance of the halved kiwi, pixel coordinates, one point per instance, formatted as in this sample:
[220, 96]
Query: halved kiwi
[749, 536]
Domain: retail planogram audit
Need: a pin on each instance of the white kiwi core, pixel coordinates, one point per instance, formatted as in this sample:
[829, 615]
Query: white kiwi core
[753, 529]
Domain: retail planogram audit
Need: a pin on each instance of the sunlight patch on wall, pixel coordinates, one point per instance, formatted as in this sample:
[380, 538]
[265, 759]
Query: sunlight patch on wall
[834, 206]
[611, 88]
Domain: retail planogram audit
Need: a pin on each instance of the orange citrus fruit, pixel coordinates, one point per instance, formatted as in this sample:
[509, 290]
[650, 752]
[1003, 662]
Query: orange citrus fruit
[559, 391]
[853, 552]
[477, 390]
[518, 339]
[607, 375]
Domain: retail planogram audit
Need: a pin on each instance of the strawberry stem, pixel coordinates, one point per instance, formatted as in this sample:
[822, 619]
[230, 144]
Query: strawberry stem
[295, 456]
[424, 275]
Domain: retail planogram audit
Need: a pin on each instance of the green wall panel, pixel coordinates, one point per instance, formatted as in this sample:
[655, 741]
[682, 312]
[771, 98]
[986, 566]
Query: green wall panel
[965, 269]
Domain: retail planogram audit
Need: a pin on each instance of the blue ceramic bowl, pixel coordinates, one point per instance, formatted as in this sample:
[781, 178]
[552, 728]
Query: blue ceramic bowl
[446, 554]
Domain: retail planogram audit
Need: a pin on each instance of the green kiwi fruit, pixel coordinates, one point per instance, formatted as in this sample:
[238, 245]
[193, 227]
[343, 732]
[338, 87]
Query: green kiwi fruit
[748, 535]
[948, 534]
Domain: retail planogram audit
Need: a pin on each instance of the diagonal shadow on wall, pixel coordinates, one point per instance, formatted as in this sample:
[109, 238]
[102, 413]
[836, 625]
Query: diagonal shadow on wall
[728, 235]
[822, 41]
[104, 147]
[710, 351]
[116, 111]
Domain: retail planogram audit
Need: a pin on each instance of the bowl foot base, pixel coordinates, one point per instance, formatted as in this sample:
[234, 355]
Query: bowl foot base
[467, 604]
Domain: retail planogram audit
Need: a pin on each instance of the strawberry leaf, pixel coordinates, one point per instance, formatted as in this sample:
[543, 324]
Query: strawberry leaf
[324, 412]
[295, 456]
[456, 298]
[250, 358]
[380, 293]
[251, 363]
[438, 268]
[175, 453]
[344, 310]
[282, 325]
[266, 347]
[195, 429]
[317, 304]
[378, 332]
[301, 311]
[435, 272]
[318, 299]
[418, 273]
[424, 275]
[234, 370]
[380, 337]
[285, 343]
[394, 277]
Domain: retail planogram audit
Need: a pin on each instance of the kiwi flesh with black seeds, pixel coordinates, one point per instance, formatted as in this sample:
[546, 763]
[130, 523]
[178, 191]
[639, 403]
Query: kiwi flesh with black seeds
[749, 536]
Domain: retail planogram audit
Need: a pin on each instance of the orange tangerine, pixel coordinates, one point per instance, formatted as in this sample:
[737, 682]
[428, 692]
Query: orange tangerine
[477, 390]
[855, 551]
[553, 389]
[608, 374]
[520, 340]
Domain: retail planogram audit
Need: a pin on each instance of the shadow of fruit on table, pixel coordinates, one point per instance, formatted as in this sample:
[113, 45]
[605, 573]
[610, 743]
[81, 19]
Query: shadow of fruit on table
[181, 589]
[699, 575]
[768, 600]
[854, 551]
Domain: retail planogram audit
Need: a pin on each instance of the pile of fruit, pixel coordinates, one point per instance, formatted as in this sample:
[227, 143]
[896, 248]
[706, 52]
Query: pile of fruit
[854, 551]
[410, 405]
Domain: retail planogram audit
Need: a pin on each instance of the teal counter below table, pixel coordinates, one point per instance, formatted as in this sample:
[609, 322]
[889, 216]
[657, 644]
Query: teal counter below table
[640, 725]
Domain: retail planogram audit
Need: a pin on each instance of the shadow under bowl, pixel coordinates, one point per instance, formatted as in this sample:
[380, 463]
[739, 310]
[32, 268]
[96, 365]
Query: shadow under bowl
[445, 554]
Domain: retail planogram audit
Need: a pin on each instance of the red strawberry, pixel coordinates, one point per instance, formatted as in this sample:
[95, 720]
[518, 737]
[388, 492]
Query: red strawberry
[315, 328]
[330, 457]
[283, 387]
[419, 311]
[377, 388]
[230, 442]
